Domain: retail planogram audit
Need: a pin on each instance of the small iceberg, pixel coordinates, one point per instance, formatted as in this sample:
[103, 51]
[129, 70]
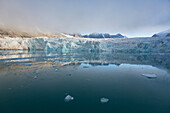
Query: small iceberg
[68, 98]
[56, 70]
[149, 75]
[104, 100]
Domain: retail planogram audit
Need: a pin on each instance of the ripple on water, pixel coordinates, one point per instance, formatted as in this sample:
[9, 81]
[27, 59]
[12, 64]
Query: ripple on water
[28, 64]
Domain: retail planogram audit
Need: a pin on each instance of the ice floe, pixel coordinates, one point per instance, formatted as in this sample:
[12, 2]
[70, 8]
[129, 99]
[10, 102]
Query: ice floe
[104, 100]
[68, 98]
[150, 75]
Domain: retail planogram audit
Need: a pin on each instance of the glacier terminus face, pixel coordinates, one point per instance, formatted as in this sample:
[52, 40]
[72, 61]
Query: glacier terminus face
[134, 45]
[64, 45]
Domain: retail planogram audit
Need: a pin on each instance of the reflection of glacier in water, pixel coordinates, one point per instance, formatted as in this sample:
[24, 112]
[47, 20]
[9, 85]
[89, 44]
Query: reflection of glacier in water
[161, 60]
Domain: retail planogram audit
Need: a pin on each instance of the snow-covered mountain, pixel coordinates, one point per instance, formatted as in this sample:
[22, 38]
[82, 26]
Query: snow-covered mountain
[103, 35]
[162, 34]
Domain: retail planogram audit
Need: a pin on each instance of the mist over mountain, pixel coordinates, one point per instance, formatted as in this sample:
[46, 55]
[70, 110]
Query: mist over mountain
[12, 32]
[128, 17]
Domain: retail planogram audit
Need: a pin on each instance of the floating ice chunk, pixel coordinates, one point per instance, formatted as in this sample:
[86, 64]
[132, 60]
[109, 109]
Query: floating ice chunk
[68, 98]
[149, 75]
[28, 64]
[56, 70]
[104, 100]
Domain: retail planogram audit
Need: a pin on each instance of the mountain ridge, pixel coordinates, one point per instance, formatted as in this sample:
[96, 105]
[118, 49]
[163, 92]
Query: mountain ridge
[162, 34]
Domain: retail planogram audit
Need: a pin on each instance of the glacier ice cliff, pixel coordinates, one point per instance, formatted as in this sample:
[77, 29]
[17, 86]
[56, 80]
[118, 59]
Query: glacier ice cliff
[64, 45]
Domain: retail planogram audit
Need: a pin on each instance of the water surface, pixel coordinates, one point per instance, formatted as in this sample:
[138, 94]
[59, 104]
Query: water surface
[30, 83]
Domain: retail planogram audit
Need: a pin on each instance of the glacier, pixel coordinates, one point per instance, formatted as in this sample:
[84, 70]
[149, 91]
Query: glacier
[65, 45]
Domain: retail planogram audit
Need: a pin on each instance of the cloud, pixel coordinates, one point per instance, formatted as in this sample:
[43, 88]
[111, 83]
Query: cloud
[131, 17]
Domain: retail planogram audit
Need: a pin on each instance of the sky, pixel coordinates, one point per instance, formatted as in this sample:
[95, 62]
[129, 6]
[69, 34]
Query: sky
[128, 17]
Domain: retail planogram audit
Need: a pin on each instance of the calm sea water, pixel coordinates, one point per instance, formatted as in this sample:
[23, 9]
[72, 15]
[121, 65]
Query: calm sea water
[38, 82]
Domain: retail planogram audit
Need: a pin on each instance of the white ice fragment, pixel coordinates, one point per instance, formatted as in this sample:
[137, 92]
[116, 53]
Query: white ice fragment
[104, 100]
[149, 75]
[56, 70]
[68, 98]
[28, 64]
